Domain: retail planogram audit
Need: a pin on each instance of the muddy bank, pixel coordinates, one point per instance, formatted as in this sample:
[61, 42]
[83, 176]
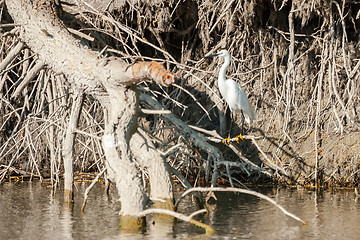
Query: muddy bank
[338, 159]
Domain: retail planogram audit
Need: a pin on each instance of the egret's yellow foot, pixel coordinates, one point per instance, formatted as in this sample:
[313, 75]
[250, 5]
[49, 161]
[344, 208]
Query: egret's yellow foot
[226, 141]
[239, 136]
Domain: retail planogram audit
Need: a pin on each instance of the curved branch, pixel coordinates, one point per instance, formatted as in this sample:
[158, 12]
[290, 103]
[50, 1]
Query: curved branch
[46, 35]
[259, 195]
[209, 229]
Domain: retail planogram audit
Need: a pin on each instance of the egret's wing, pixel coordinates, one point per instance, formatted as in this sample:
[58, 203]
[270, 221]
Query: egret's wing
[240, 101]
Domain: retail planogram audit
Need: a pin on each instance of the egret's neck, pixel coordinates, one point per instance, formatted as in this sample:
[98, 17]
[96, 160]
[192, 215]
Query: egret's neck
[224, 68]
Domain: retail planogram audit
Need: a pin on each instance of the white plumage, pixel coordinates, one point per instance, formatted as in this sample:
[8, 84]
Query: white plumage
[233, 94]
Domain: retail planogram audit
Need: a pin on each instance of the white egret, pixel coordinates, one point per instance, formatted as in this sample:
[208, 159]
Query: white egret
[233, 94]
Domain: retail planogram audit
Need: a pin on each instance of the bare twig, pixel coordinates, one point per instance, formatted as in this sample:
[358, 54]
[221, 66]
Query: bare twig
[86, 193]
[11, 55]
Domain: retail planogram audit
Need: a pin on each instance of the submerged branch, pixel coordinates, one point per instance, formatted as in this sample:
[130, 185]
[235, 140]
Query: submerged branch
[209, 229]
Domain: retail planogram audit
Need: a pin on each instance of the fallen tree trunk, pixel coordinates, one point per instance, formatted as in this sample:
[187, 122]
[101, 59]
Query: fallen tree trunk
[108, 80]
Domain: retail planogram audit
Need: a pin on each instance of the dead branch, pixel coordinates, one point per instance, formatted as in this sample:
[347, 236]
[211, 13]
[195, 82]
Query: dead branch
[197, 139]
[88, 189]
[209, 229]
[218, 139]
[11, 55]
[259, 195]
[30, 75]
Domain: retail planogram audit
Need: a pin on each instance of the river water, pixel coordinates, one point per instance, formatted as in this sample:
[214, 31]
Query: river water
[31, 211]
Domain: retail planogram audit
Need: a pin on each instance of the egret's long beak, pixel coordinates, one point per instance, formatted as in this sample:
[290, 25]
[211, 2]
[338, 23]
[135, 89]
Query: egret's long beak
[212, 55]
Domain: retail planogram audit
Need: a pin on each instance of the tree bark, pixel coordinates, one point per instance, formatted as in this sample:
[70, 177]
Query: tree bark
[68, 147]
[161, 191]
[120, 126]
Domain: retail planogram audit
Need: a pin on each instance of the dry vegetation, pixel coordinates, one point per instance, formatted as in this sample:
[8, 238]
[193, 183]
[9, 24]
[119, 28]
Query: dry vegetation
[298, 61]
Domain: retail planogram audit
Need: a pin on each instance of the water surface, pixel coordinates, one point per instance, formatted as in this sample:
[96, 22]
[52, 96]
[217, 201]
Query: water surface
[31, 211]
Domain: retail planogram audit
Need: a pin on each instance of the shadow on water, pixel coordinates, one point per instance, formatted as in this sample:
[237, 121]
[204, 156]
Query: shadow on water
[31, 211]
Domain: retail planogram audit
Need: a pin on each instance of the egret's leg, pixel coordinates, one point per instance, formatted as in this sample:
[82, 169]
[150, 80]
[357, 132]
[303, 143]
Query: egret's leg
[242, 122]
[227, 140]
[242, 128]
[231, 121]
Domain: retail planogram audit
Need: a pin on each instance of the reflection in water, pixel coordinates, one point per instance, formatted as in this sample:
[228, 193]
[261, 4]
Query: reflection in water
[30, 211]
[160, 226]
[67, 223]
[315, 221]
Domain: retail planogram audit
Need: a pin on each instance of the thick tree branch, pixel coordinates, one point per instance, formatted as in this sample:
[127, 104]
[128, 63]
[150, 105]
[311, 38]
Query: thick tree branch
[68, 146]
[45, 34]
